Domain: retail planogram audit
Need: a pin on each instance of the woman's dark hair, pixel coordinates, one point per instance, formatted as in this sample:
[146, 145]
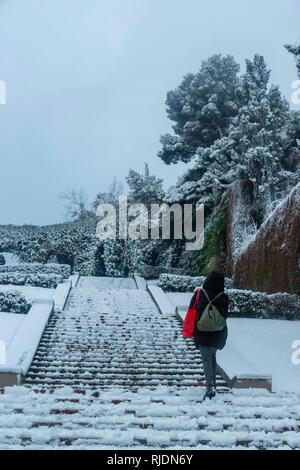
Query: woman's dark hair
[214, 282]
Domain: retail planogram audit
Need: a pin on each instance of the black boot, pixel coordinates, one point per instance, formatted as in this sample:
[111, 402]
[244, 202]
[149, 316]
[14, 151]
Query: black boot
[210, 393]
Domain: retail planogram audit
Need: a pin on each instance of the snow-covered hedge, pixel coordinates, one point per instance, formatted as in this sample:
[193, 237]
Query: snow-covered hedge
[38, 268]
[75, 241]
[242, 303]
[36, 280]
[249, 304]
[13, 302]
[175, 283]
[154, 272]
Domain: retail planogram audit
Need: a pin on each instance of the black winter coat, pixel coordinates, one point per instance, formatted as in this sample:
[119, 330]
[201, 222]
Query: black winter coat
[215, 339]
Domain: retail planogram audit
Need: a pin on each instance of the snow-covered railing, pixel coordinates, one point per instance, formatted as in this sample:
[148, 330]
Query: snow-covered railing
[74, 278]
[160, 299]
[22, 348]
[140, 282]
[61, 295]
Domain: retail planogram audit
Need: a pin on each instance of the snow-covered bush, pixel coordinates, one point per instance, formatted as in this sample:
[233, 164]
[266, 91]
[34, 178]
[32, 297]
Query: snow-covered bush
[74, 243]
[141, 253]
[13, 302]
[249, 304]
[36, 280]
[149, 272]
[175, 283]
[113, 257]
[38, 268]
[154, 272]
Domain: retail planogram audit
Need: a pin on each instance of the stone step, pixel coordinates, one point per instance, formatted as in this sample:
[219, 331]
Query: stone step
[124, 382]
[112, 372]
[160, 417]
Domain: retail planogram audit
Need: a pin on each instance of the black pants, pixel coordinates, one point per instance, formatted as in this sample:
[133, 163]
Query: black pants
[208, 354]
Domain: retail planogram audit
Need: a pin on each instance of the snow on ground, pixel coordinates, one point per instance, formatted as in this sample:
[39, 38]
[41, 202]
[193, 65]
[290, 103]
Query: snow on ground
[179, 298]
[10, 258]
[30, 293]
[264, 347]
[9, 325]
[257, 347]
[112, 372]
[107, 282]
[149, 417]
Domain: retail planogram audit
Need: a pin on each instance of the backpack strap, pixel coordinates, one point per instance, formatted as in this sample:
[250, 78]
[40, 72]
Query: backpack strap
[197, 299]
[217, 296]
[207, 296]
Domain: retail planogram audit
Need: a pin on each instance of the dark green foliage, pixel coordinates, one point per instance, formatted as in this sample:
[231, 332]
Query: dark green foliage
[214, 242]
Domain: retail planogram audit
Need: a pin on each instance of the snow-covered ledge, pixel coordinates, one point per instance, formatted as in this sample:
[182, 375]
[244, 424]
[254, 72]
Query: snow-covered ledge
[23, 347]
[61, 295]
[140, 282]
[160, 299]
[74, 278]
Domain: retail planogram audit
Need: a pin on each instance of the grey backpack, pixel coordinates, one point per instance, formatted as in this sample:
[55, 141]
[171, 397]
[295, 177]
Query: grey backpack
[211, 320]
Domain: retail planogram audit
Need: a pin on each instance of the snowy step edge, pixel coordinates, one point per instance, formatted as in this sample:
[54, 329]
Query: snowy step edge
[24, 345]
[162, 438]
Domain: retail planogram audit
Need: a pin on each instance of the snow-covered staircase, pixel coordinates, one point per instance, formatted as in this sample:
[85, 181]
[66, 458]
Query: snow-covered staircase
[113, 372]
[110, 335]
[159, 417]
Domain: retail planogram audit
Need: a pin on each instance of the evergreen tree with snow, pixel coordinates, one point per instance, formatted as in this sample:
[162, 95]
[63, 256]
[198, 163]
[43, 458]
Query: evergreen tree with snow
[257, 148]
[260, 137]
[114, 258]
[202, 108]
[296, 51]
[111, 196]
[144, 188]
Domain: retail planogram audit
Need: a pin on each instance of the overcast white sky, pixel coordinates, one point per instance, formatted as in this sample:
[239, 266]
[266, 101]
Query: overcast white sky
[87, 81]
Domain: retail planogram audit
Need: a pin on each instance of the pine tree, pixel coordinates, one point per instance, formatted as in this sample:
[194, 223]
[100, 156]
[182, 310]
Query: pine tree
[202, 108]
[296, 51]
[144, 188]
[257, 148]
[260, 136]
[111, 196]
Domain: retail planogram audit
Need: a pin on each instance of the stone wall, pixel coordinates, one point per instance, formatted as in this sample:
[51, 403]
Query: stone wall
[271, 263]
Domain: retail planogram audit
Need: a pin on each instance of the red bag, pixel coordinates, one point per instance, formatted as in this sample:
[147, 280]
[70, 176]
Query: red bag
[190, 321]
